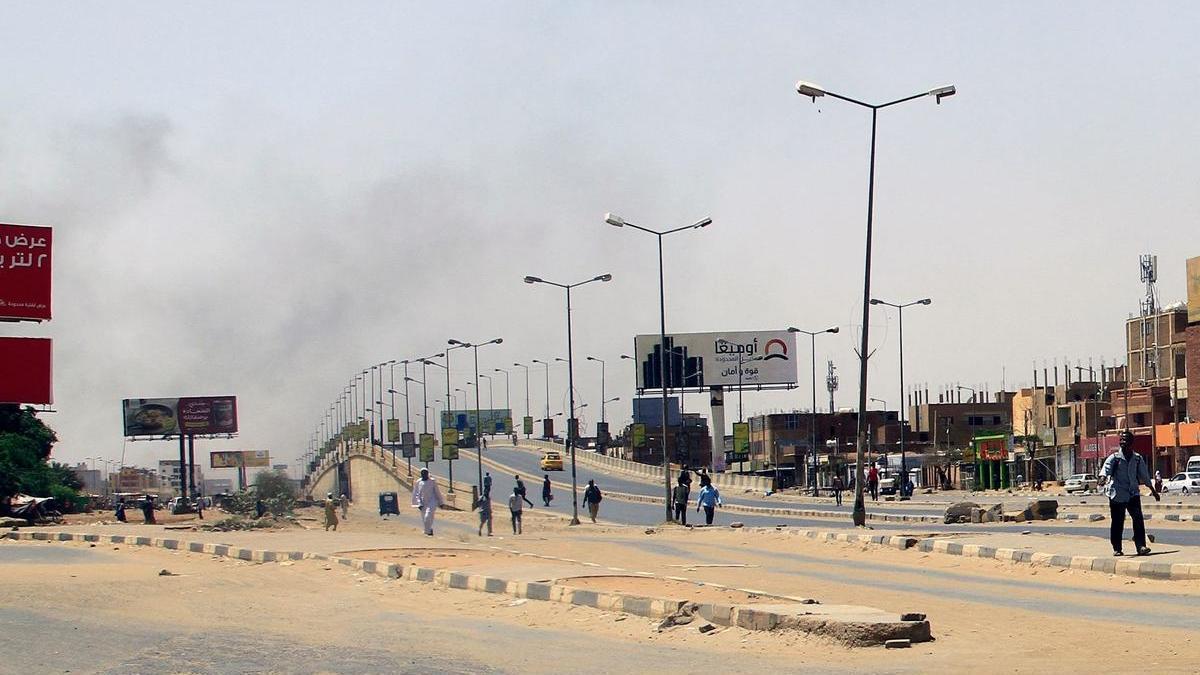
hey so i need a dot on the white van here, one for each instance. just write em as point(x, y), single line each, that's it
point(1193, 464)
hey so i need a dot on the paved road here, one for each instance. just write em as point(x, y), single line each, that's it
point(634, 513)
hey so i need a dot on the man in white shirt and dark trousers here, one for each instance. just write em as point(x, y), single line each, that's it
point(516, 503)
point(1123, 475)
point(427, 498)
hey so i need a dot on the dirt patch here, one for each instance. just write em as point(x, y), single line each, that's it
point(669, 588)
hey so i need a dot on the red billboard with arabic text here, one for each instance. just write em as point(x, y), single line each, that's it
point(26, 373)
point(25, 272)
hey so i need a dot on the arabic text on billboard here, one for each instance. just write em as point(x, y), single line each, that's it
point(175, 416)
point(232, 459)
point(25, 272)
point(746, 358)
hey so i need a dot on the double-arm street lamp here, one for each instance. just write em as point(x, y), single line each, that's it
point(507, 392)
point(572, 421)
point(903, 408)
point(617, 221)
point(478, 428)
point(812, 418)
point(812, 91)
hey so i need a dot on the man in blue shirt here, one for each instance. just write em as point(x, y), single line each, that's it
point(1123, 475)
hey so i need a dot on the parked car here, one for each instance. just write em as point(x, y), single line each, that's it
point(1184, 483)
point(1081, 482)
point(552, 460)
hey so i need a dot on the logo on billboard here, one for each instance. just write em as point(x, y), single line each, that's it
point(196, 415)
point(780, 349)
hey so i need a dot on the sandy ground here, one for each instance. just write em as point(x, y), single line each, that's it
point(987, 616)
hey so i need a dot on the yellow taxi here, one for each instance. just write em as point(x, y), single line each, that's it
point(552, 460)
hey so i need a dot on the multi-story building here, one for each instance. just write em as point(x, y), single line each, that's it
point(1051, 421)
point(779, 440)
point(136, 479)
point(168, 473)
point(217, 486)
point(92, 479)
point(1192, 336)
point(950, 426)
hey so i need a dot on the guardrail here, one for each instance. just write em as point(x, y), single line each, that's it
point(388, 462)
point(651, 472)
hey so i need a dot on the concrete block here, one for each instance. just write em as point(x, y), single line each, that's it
point(458, 580)
point(637, 605)
point(535, 590)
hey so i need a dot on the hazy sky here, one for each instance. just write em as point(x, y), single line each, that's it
point(263, 198)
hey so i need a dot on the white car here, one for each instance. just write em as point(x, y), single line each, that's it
point(1183, 483)
point(1081, 482)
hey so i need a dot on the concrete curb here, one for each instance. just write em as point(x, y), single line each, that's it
point(1128, 566)
point(742, 616)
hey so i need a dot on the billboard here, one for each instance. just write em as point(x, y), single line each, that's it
point(1193, 289)
point(25, 272)
point(450, 443)
point(490, 420)
point(426, 448)
point(638, 434)
point(233, 459)
point(26, 373)
point(408, 444)
point(528, 424)
point(176, 416)
point(393, 430)
point(741, 439)
point(712, 359)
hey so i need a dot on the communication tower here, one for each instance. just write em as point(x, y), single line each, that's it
point(831, 383)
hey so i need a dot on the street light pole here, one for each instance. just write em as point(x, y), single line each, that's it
point(507, 393)
point(544, 363)
point(527, 413)
point(617, 221)
point(478, 427)
point(572, 421)
point(603, 418)
point(812, 91)
point(812, 418)
point(903, 407)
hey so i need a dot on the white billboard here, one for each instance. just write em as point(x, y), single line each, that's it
point(711, 359)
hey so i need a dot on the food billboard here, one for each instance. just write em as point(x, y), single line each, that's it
point(25, 272)
point(729, 359)
point(197, 415)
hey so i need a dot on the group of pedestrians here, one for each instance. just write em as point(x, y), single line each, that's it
point(708, 499)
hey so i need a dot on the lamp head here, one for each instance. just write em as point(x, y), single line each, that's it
point(614, 220)
point(532, 280)
point(455, 342)
point(925, 301)
point(793, 329)
point(626, 356)
point(809, 89)
point(702, 223)
point(603, 277)
point(831, 329)
point(942, 92)
point(496, 341)
point(876, 301)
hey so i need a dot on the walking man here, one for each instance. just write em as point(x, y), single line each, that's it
point(515, 506)
point(873, 482)
point(487, 483)
point(1123, 473)
point(345, 505)
point(148, 510)
point(331, 519)
point(521, 491)
point(546, 494)
point(837, 490)
point(680, 496)
point(709, 500)
point(427, 498)
point(485, 513)
point(591, 499)
point(120, 511)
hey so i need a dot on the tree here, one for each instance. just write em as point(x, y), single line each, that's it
point(274, 484)
point(25, 445)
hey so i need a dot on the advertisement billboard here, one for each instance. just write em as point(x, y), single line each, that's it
point(196, 415)
point(741, 438)
point(26, 373)
point(490, 421)
point(638, 433)
point(450, 443)
point(426, 448)
point(25, 272)
point(711, 359)
point(232, 459)
point(548, 428)
point(408, 444)
point(393, 431)
point(527, 423)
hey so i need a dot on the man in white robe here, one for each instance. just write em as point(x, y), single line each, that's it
point(427, 498)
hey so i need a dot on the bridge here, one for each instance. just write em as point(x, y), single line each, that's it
point(361, 471)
